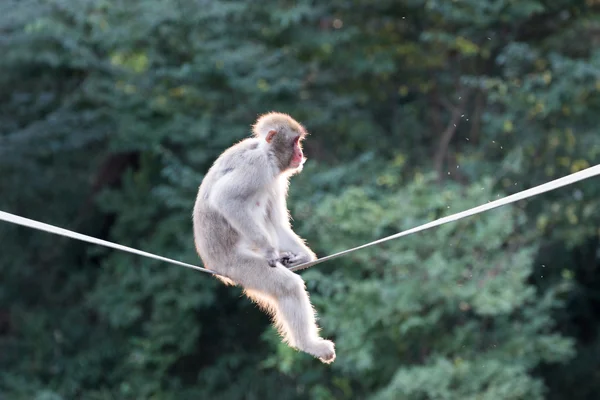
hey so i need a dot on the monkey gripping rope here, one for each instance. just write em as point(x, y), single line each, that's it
point(546, 187)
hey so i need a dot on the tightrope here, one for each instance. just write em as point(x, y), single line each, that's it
point(555, 184)
point(546, 187)
point(30, 223)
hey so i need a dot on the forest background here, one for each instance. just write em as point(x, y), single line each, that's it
point(112, 111)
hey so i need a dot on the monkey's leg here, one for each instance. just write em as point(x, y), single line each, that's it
point(269, 305)
point(295, 309)
point(283, 293)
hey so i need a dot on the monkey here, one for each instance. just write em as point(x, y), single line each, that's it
point(242, 229)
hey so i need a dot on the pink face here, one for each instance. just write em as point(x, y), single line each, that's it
point(297, 157)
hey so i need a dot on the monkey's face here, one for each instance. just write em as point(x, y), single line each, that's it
point(287, 147)
point(297, 158)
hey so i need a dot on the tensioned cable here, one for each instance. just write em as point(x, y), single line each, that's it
point(555, 184)
point(15, 219)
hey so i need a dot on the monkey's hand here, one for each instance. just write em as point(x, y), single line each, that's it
point(290, 259)
point(273, 257)
point(285, 258)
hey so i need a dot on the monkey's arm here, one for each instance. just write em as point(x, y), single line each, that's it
point(234, 202)
point(293, 250)
point(291, 245)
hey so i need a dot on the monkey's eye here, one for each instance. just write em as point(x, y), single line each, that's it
point(296, 140)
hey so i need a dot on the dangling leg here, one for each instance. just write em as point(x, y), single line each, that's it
point(295, 309)
point(269, 305)
point(282, 293)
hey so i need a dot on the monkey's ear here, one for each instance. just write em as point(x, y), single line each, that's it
point(270, 135)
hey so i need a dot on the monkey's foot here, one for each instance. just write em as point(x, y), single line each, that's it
point(324, 350)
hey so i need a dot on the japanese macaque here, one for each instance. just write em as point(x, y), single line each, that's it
point(242, 228)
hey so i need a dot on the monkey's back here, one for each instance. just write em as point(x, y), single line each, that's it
point(214, 237)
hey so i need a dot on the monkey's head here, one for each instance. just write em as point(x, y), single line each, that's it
point(283, 136)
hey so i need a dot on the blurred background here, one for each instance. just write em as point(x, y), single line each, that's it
point(112, 111)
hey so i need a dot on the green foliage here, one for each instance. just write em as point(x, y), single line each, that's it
point(441, 314)
point(114, 110)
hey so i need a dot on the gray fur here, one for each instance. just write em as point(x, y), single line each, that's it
point(242, 230)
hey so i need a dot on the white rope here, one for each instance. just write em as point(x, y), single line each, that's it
point(15, 219)
point(555, 184)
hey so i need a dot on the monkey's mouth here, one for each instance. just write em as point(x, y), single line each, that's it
point(297, 162)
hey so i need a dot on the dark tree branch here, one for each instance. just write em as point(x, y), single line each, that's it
point(446, 137)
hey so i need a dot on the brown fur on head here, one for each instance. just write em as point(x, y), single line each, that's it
point(278, 122)
point(284, 136)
